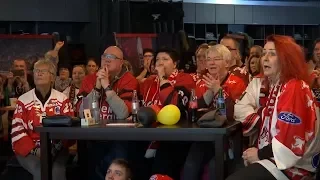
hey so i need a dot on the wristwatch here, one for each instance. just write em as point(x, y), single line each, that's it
point(108, 88)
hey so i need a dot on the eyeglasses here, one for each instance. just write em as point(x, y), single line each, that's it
point(109, 56)
point(42, 71)
point(148, 56)
point(231, 49)
point(214, 59)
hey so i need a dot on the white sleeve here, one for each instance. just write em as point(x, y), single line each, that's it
point(248, 106)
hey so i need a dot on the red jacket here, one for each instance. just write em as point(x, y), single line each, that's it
point(233, 87)
point(176, 92)
point(88, 83)
point(123, 86)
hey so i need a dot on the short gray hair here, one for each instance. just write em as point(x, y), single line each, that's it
point(47, 62)
point(223, 51)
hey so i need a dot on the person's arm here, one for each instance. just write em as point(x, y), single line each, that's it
point(22, 143)
point(121, 103)
point(142, 75)
point(246, 109)
point(53, 55)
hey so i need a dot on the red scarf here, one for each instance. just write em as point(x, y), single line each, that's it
point(264, 92)
point(152, 96)
point(268, 112)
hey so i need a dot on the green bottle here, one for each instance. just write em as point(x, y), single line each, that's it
point(221, 103)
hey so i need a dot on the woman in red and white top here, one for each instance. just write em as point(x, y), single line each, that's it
point(217, 77)
point(78, 74)
point(168, 87)
point(288, 142)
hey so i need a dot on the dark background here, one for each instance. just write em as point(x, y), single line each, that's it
point(88, 24)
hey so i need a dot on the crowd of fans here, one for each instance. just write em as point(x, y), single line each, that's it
point(271, 90)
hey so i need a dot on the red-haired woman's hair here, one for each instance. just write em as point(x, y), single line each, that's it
point(291, 58)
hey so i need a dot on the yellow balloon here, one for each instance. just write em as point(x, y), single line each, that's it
point(169, 115)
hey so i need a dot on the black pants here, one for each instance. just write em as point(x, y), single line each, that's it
point(199, 155)
point(170, 158)
point(254, 171)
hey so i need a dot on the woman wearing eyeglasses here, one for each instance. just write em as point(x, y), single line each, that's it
point(148, 60)
point(217, 78)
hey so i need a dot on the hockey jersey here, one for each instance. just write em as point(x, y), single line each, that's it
point(241, 72)
point(290, 123)
point(232, 88)
point(176, 92)
point(28, 115)
point(248, 109)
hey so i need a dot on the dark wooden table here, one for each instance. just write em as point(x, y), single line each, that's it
point(183, 131)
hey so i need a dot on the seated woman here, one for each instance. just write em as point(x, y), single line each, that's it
point(78, 74)
point(146, 71)
point(168, 87)
point(201, 62)
point(287, 143)
point(254, 66)
point(92, 66)
point(30, 110)
point(63, 80)
point(217, 77)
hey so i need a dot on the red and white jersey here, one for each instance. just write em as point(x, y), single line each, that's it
point(233, 87)
point(241, 72)
point(28, 115)
point(290, 123)
point(196, 77)
point(248, 108)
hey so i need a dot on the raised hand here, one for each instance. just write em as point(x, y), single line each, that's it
point(58, 45)
point(212, 82)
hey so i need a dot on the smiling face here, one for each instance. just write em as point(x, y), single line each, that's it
point(92, 67)
point(215, 63)
point(270, 61)
point(78, 73)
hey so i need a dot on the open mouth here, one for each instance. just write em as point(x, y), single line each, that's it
point(266, 67)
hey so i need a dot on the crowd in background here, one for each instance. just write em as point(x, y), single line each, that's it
point(271, 90)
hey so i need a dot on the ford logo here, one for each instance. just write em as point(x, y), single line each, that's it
point(289, 118)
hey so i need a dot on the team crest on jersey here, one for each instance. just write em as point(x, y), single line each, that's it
point(289, 117)
point(315, 160)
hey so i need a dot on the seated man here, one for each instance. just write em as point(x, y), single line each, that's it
point(113, 87)
point(31, 108)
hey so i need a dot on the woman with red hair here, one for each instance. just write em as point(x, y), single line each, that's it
point(288, 145)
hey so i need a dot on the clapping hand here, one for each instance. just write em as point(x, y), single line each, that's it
point(212, 82)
